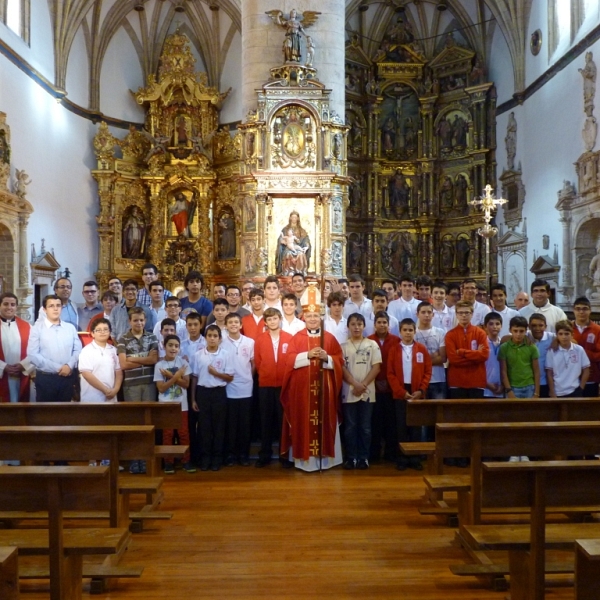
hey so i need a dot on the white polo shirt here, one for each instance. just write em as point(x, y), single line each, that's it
point(220, 360)
point(369, 329)
point(443, 319)
point(338, 330)
point(241, 352)
point(294, 327)
point(404, 309)
point(566, 365)
point(102, 363)
point(479, 312)
point(364, 308)
point(507, 314)
point(433, 339)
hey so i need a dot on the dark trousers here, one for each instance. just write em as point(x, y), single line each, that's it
point(357, 429)
point(591, 390)
point(212, 416)
point(51, 387)
point(405, 433)
point(383, 427)
point(544, 391)
point(457, 393)
point(239, 412)
point(271, 415)
point(194, 429)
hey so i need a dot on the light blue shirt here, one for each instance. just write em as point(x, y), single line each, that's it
point(51, 345)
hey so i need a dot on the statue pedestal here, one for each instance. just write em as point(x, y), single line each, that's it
point(292, 74)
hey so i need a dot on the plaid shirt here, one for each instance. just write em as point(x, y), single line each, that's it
point(143, 296)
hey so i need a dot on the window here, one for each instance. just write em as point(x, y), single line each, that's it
point(15, 15)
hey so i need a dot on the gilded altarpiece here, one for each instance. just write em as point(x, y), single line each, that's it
point(159, 197)
point(293, 184)
point(421, 146)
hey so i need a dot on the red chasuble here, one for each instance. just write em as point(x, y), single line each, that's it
point(300, 396)
point(23, 327)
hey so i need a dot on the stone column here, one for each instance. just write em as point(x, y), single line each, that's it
point(262, 42)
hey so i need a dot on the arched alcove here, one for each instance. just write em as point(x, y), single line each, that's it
point(7, 259)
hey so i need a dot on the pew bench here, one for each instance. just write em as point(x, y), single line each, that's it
point(587, 569)
point(52, 489)
point(536, 485)
point(9, 573)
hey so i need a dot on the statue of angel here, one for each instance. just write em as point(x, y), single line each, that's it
point(21, 183)
point(294, 26)
point(159, 145)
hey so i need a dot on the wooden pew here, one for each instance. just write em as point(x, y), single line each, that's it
point(115, 442)
point(163, 415)
point(536, 484)
point(53, 489)
point(475, 440)
point(9, 573)
point(587, 569)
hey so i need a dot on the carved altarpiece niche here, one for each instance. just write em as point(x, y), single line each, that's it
point(160, 200)
point(421, 146)
point(512, 254)
point(293, 184)
point(14, 218)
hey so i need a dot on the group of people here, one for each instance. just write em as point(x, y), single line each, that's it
point(261, 362)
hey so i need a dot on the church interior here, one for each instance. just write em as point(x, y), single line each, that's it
point(205, 134)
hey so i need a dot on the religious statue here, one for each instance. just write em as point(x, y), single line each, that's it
point(21, 183)
point(444, 132)
point(337, 214)
point(250, 213)
point(293, 248)
point(159, 146)
point(447, 255)
point(460, 191)
point(355, 249)
point(337, 145)
point(226, 236)
point(511, 141)
point(182, 213)
point(310, 51)
point(134, 234)
point(446, 193)
point(459, 132)
point(595, 271)
point(589, 83)
point(181, 131)
point(463, 250)
point(388, 135)
point(399, 194)
point(294, 27)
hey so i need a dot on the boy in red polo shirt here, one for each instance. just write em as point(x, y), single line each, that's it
point(270, 350)
point(409, 372)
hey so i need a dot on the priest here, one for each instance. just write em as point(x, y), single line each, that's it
point(14, 365)
point(310, 434)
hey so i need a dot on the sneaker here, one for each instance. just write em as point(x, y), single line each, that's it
point(514, 459)
point(350, 464)
point(121, 468)
point(362, 464)
point(169, 468)
point(188, 467)
point(524, 458)
point(134, 467)
point(92, 463)
point(105, 463)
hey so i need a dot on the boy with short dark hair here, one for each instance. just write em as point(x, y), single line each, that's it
point(173, 311)
point(362, 363)
point(498, 296)
point(586, 333)
point(519, 364)
point(254, 324)
point(219, 312)
point(290, 323)
point(195, 301)
point(543, 340)
point(172, 378)
point(335, 322)
point(568, 367)
point(409, 373)
point(167, 327)
point(493, 325)
point(380, 303)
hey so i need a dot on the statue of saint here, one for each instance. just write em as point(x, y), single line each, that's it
point(589, 83)
point(446, 193)
point(399, 192)
point(511, 141)
point(182, 213)
point(293, 248)
point(134, 233)
point(460, 191)
point(294, 27)
point(226, 236)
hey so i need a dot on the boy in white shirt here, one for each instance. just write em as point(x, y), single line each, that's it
point(239, 393)
point(290, 323)
point(173, 309)
point(406, 306)
point(443, 315)
point(357, 302)
point(362, 362)
point(498, 293)
point(99, 367)
point(380, 303)
point(493, 323)
point(172, 378)
point(167, 327)
point(335, 322)
point(272, 294)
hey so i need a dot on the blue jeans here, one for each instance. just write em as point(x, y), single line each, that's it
point(357, 429)
point(524, 392)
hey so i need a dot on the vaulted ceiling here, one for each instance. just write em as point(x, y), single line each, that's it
point(212, 25)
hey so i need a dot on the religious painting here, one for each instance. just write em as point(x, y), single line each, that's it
point(452, 130)
point(226, 234)
point(399, 122)
point(182, 210)
point(133, 242)
point(398, 253)
point(293, 237)
point(293, 138)
point(398, 197)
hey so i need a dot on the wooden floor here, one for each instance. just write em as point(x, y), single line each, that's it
point(271, 533)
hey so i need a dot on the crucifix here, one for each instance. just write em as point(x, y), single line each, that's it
point(488, 205)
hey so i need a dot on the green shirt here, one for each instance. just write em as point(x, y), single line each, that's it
point(519, 362)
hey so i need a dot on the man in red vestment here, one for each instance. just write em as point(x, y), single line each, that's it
point(310, 430)
point(14, 366)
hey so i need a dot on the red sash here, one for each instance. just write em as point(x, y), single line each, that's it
point(24, 329)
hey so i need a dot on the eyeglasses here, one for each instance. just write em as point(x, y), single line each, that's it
point(90, 291)
point(232, 295)
point(103, 330)
point(115, 284)
point(64, 287)
point(463, 313)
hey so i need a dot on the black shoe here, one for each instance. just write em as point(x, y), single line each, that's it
point(362, 464)
point(230, 461)
point(204, 466)
point(285, 463)
point(350, 464)
point(463, 463)
point(261, 462)
point(450, 462)
point(401, 465)
point(215, 467)
point(416, 465)
point(244, 461)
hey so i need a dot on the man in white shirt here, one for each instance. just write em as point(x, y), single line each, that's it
point(540, 294)
point(498, 293)
point(469, 291)
point(406, 306)
point(357, 302)
point(335, 322)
